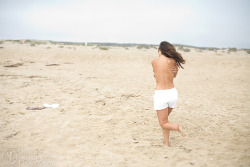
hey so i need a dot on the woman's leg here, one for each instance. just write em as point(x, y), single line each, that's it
point(166, 132)
point(166, 126)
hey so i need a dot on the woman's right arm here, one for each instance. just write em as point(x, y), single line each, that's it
point(175, 70)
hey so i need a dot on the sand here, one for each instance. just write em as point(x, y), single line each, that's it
point(106, 115)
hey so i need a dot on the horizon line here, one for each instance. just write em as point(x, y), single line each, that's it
point(121, 43)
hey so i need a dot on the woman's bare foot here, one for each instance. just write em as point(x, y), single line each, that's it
point(167, 144)
point(180, 130)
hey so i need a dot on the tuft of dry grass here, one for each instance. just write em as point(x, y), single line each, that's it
point(103, 48)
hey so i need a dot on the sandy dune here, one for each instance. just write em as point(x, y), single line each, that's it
point(106, 115)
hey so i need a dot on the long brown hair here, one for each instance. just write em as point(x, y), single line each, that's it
point(169, 50)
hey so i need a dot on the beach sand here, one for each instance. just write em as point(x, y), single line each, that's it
point(106, 115)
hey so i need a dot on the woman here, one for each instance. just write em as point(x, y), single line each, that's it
point(165, 69)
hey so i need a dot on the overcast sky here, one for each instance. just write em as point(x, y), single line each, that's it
point(209, 23)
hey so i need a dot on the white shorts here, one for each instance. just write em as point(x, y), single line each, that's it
point(165, 98)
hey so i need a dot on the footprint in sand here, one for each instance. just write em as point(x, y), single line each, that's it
point(102, 102)
point(22, 113)
point(129, 95)
point(34, 133)
point(11, 135)
point(53, 65)
point(14, 65)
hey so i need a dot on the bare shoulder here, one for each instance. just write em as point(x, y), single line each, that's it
point(154, 61)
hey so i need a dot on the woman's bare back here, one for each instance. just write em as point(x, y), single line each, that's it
point(162, 68)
